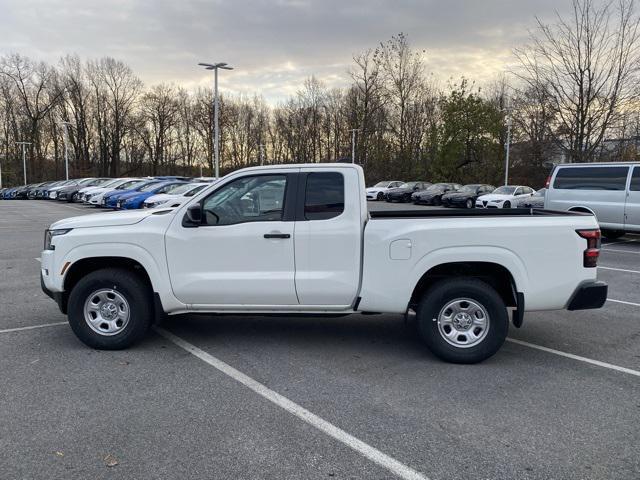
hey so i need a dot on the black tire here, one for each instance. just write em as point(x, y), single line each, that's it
point(437, 201)
point(126, 283)
point(380, 196)
point(469, 203)
point(506, 204)
point(406, 198)
point(438, 296)
point(612, 234)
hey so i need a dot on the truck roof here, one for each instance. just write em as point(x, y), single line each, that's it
point(302, 165)
point(590, 164)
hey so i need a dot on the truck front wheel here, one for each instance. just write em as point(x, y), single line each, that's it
point(110, 309)
point(462, 320)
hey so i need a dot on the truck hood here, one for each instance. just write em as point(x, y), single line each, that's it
point(107, 219)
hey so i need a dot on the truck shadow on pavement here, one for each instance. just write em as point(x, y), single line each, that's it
point(384, 334)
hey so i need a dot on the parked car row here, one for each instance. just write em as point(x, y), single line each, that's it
point(115, 193)
point(456, 195)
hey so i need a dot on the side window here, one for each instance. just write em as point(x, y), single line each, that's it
point(258, 198)
point(518, 191)
point(591, 178)
point(324, 195)
point(635, 180)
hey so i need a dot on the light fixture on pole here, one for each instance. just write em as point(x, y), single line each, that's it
point(65, 138)
point(24, 158)
point(353, 144)
point(216, 134)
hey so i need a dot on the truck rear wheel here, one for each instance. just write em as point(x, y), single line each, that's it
point(462, 320)
point(110, 309)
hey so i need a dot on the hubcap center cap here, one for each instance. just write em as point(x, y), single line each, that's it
point(462, 321)
point(109, 311)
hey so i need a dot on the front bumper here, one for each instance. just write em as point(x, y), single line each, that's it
point(48, 281)
point(58, 297)
point(589, 295)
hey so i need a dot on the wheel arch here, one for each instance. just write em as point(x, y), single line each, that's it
point(494, 274)
point(583, 209)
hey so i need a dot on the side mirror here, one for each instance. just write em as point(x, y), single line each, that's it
point(193, 217)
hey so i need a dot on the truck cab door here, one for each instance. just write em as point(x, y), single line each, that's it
point(242, 254)
point(632, 204)
point(328, 236)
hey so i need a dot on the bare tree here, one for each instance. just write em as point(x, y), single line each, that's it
point(35, 87)
point(159, 114)
point(587, 66)
point(116, 90)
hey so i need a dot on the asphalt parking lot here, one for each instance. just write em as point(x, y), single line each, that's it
point(355, 397)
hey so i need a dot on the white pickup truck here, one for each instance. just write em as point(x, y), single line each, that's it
point(298, 239)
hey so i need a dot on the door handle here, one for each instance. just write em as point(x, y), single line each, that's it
point(277, 235)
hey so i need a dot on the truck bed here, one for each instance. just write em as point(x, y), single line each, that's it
point(474, 212)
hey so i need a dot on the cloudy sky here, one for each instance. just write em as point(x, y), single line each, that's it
point(274, 44)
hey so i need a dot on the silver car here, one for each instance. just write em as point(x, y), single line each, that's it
point(610, 191)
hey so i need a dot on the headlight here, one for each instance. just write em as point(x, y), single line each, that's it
point(49, 234)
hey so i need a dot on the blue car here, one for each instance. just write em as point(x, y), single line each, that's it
point(10, 193)
point(136, 199)
point(110, 200)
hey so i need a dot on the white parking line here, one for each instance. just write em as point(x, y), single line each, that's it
point(38, 259)
point(618, 251)
point(619, 241)
point(623, 301)
point(576, 357)
point(618, 269)
point(376, 456)
point(32, 327)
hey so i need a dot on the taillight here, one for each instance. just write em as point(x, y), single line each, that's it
point(591, 254)
point(548, 182)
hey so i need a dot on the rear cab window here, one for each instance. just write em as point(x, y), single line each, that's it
point(324, 195)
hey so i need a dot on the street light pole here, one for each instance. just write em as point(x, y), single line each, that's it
point(1, 172)
point(66, 147)
point(24, 159)
point(353, 144)
point(216, 128)
point(507, 146)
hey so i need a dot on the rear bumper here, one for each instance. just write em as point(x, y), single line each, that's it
point(589, 295)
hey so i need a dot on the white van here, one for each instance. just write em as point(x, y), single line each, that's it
point(610, 191)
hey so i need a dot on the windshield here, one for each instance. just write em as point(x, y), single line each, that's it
point(111, 183)
point(408, 185)
point(195, 190)
point(184, 188)
point(179, 189)
point(437, 186)
point(506, 190)
point(100, 181)
point(131, 184)
point(151, 186)
point(382, 184)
